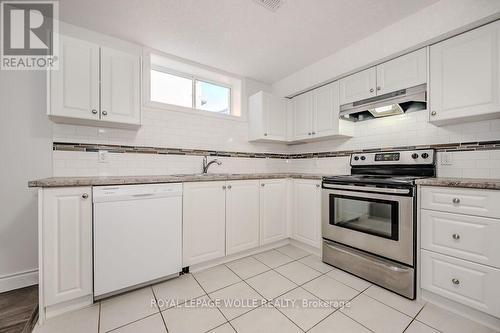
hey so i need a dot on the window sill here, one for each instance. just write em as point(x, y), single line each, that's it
point(192, 111)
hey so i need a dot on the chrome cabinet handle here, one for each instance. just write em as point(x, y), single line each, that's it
point(104, 113)
point(309, 133)
point(317, 185)
point(379, 88)
point(455, 236)
point(313, 133)
point(455, 281)
point(85, 195)
point(223, 187)
point(229, 187)
point(94, 111)
point(265, 134)
point(262, 184)
point(433, 113)
point(456, 200)
point(371, 90)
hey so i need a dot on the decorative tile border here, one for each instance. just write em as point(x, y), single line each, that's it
point(85, 147)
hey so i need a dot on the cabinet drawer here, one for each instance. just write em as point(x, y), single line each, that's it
point(462, 281)
point(467, 237)
point(461, 201)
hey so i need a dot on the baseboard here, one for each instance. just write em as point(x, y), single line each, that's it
point(18, 280)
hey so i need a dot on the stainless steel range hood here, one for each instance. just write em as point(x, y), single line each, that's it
point(397, 102)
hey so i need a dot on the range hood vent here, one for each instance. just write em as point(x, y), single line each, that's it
point(397, 102)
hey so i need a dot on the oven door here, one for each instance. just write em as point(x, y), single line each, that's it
point(364, 218)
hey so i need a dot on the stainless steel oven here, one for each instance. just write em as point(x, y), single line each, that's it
point(376, 220)
point(368, 218)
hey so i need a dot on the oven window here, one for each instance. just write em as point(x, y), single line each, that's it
point(371, 216)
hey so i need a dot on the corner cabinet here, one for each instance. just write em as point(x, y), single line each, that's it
point(95, 85)
point(316, 115)
point(65, 249)
point(307, 211)
point(465, 76)
point(267, 117)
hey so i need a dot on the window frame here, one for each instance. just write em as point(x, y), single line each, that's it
point(149, 103)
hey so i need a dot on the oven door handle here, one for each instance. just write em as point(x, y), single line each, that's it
point(367, 189)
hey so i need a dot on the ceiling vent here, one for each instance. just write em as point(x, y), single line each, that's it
point(272, 5)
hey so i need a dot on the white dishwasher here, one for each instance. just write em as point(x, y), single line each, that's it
point(137, 235)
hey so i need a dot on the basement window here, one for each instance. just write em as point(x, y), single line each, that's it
point(183, 87)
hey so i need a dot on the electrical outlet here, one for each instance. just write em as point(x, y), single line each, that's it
point(446, 158)
point(102, 156)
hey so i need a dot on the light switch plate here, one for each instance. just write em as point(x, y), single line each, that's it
point(102, 156)
point(446, 158)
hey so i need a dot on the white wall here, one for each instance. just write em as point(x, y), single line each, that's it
point(26, 146)
point(435, 21)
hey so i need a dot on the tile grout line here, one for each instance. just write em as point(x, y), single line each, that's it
point(345, 314)
point(412, 317)
point(161, 315)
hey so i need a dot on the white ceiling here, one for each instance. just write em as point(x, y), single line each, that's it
point(240, 36)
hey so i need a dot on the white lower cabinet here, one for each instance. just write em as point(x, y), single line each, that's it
point(273, 210)
point(242, 215)
point(65, 223)
point(462, 281)
point(307, 211)
point(204, 222)
point(460, 256)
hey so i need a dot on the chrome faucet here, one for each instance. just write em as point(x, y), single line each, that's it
point(207, 164)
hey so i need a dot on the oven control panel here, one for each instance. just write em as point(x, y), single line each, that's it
point(406, 157)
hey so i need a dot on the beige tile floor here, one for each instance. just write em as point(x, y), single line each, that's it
point(274, 285)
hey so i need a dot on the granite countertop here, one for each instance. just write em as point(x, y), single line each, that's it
point(182, 178)
point(479, 183)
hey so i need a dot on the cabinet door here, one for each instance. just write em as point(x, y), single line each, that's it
point(74, 87)
point(204, 226)
point(273, 210)
point(67, 244)
point(403, 72)
point(326, 110)
point(464, 76)
point(120, 87)
point(242, 215)
point(275, 118)
point(358, 86)
point(302, 116)
point(307, 208)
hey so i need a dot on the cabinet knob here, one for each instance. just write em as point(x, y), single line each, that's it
point(85, 195)
point(262, 184)
point(456, 200)
point(223, 187)
point(433, 113)
point(104, 113)
point(94, 111)
point(229, 187)
point(371, 90)
point(313, 133)
point(379, 88)
point(455, 236)
point(265, 134)
point(309, 133)
point(317, 185)
point(455, 281)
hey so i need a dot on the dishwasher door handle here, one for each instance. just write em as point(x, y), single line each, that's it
point(143, 195)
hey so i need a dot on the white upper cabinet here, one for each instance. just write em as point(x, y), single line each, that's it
point(358, 86)
point(75, 85)
point(307, 210)
point(120, 87)
point(267, 117)
point(302, 116)
point(464, 76)
point(204, 222)
point(66, 232)
point(273, 210)
point(95, 86)
point(403, 72)
point(242, 215)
